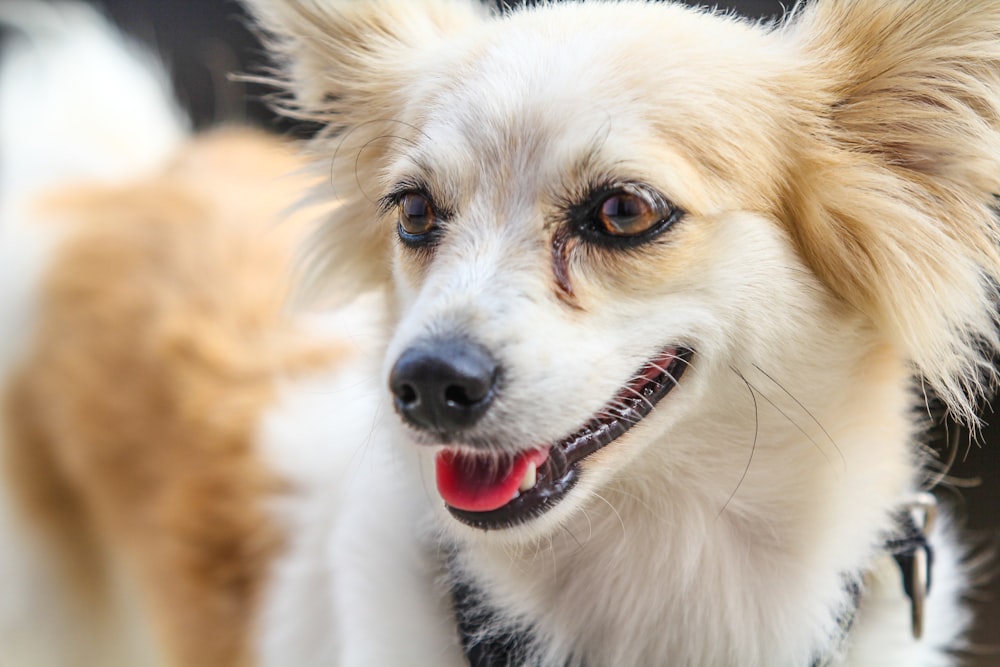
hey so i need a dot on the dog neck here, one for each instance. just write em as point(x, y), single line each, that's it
point(488, 640)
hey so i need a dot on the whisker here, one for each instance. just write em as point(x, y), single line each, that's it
point(664, 371)
point(808, 412)
point(641, 397)
point(579, 544)
point(638, 499)
point(361, 150)
point(605, 413)
point(362, 451)
point(351, 131)
point(753, 447)
point(621, 521)
point(538, 551)
point(794, 423)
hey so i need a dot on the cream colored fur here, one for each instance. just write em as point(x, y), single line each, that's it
point(837, 172)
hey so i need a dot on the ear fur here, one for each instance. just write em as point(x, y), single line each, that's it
point(353, 66)
point(893, 207)
point(896, 162)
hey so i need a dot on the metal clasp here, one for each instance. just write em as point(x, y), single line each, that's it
point(923, 510)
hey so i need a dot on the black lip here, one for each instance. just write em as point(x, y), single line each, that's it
point(561, 470)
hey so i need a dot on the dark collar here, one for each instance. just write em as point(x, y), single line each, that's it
point(488, 640)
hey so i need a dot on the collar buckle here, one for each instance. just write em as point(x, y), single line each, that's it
point(914, 555)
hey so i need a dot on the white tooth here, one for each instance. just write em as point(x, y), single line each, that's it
point(530, 477)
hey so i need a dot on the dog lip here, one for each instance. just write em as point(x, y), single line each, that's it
point(561, 470)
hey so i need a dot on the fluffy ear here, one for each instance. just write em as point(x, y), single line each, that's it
point(893, 203)
point(348, 60)
point(352, 66)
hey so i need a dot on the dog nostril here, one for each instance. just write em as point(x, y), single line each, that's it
point(407, 395)
point(458, 395)
point(443, 385)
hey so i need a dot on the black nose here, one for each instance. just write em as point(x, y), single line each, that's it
point(443, 385)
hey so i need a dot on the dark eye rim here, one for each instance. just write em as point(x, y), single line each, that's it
point(391, 203)
point(585, 221)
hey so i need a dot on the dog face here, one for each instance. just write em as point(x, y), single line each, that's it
point(564, 258)
point(604, 218)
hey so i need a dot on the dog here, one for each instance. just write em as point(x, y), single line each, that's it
point(657, 293)
point(146, 353)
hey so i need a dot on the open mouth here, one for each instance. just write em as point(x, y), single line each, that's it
point(490, 490)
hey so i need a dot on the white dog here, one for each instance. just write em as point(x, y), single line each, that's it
point(662, 284)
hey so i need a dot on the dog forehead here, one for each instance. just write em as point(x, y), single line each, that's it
point(520, 99)
point(544, 89)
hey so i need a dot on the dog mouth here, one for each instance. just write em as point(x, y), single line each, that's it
point(499, 490)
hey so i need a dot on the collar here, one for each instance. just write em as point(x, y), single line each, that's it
point(911, 550)
point(913, 554)
point(488, 640)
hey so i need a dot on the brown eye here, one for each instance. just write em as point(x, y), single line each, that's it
point(626, 214)
point(416, 215)
point(622, 215)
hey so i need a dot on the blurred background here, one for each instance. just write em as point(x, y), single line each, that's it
point(204, 41)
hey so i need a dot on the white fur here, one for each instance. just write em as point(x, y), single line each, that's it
point(42, 626)
point(694, 544)
point(327, 436)
point(718, 531)
point(317, 449)
point(80, 102)
point(714, 533)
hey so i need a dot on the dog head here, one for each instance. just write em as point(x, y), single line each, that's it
point(599, 219)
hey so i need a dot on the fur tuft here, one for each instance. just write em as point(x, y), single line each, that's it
point(894, 207)
point(379, 50)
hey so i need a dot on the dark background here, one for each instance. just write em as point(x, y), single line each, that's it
point(203, 41)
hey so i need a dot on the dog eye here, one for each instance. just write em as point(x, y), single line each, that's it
point(416, 216)
point(626, 214)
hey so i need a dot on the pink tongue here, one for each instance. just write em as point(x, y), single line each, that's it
point(477, 483)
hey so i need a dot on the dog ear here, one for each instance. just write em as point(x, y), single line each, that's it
point(347, 61)
point(352, 67)
point(893, 202)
